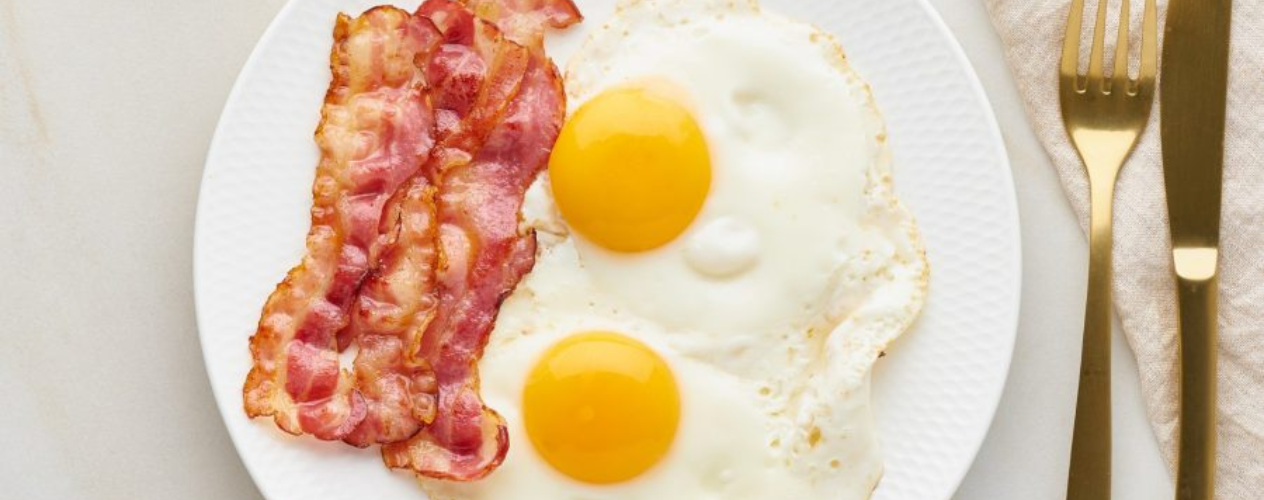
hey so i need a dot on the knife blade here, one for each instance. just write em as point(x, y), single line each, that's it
point(1193, 94)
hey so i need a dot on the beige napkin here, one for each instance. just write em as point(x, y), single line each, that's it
point(1144, 294)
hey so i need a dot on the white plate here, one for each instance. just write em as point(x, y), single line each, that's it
point(937, 391)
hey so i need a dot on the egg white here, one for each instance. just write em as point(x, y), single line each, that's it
point(720, 416)
point(773, 305)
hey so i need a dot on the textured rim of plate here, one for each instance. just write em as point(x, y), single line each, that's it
point(993, 128)
point(234, 96)
point(1011, 199)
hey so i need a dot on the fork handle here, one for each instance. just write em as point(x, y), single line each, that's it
point(1089, 477)
point(1196, 467)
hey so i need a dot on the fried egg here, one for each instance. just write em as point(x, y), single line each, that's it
point(722, 259)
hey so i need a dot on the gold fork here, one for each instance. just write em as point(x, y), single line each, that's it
point(1104, 118)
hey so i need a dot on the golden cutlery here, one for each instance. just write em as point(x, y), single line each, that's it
point(1104, 116)
point(1192, 121)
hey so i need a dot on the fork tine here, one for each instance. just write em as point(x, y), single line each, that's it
point(1119, 79)
point(1096, 75)
point(1071, 42)
point(1149, 48)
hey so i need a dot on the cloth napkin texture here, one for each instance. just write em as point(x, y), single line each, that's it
point(1144, 289)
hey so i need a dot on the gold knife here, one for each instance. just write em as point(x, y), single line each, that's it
point(1193, 87)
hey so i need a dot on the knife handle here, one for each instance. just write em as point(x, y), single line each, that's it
point(1196, 288)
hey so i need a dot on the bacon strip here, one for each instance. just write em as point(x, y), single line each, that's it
point(472, 78)
point(475, 75)
point(524, 21)
point(395, 303)
point(484, 255)
point(376, 129)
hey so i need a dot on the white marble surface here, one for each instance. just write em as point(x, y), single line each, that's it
point(106, 111)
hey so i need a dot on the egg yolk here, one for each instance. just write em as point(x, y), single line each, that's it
point(630, 170)
point(601, 407)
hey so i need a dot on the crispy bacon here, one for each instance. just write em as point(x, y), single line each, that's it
point(524, 21)
point(472, 78)
point(376, 129)
point(454, 111)
point(395, 304)
point(484, 255)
